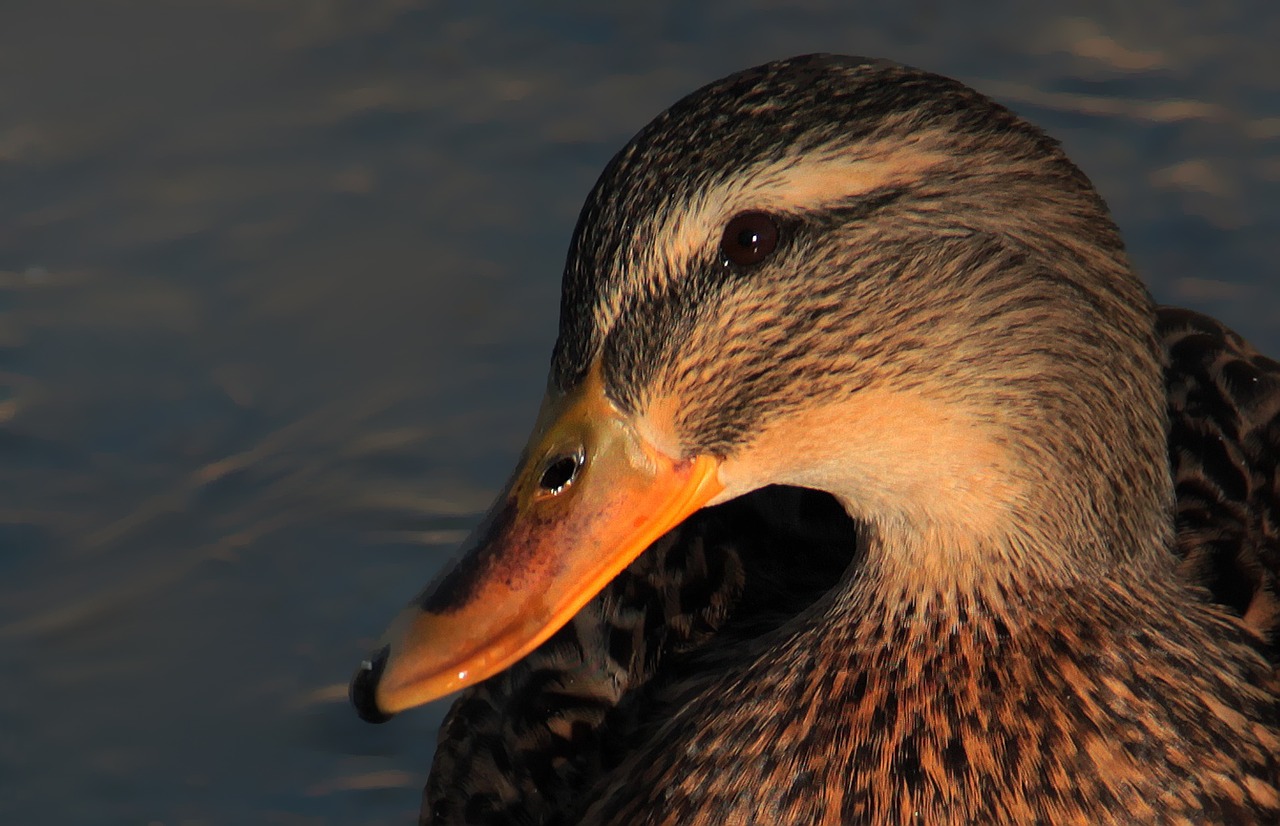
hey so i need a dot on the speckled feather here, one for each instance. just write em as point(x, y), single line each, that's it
point(1224, 447)
point(525, 747)
point(766, 662)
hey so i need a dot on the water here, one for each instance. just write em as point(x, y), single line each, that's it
point(278, 282)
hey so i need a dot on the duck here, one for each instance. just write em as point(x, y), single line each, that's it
point(870, 486)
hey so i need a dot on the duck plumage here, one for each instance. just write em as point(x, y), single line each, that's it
point(989, 537)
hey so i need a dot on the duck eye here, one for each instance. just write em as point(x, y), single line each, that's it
point(748, 238)
point(559, 474)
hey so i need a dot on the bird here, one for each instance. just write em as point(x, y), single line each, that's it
point(870, 486)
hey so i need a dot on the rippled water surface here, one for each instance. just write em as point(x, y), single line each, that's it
point(278, 281)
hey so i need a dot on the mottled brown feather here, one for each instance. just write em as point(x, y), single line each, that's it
point(498, 759)
point(765, 662)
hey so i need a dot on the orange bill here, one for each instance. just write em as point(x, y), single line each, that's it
point(589, 497)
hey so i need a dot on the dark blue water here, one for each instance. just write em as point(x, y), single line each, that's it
point(278, 281)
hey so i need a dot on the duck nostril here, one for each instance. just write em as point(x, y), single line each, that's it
point(560, 473)
point(364, 687)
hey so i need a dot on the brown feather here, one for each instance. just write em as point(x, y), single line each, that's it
point(1066, 658)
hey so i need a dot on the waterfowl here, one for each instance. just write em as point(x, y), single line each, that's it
point(870, 487)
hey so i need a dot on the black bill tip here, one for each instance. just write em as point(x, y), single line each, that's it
point(364, 688)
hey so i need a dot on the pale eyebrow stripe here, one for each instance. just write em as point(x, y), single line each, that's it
point(793, 184)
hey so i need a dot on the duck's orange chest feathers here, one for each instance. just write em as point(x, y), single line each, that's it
point(1088, 711)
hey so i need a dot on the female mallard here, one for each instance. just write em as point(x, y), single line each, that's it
point(871, 282)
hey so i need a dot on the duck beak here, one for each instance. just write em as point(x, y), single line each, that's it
point(589, 497)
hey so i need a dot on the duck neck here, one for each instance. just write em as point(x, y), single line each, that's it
point(1021, 556)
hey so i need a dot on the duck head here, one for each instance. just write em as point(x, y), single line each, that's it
point(834, 273)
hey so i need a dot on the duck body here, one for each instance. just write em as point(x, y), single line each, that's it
point(1021, 566)
point(976, 723)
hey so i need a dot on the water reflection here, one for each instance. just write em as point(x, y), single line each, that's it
point(277, 286)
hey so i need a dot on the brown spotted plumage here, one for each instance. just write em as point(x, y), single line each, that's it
point(992, 539)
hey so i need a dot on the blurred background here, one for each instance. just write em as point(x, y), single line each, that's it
point(278, 283)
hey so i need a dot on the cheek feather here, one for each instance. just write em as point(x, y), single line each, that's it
point(889, 454)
